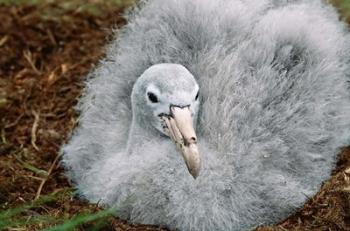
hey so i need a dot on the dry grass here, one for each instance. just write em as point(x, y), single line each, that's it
point(45, 51)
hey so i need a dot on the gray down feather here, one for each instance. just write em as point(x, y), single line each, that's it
point(274, 112)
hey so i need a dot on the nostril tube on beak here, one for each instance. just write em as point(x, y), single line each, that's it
point(192, 140)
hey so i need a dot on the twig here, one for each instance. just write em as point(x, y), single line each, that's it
point(282, 228)
point(28, 56)
point(3, 40)
point(15, 122)
point(3, 136)
point(34, 177)
point(43, 181)
point(51, 37)
point(34, 129)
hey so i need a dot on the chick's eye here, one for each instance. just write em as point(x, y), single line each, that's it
point(197, 96)
point(152, 97)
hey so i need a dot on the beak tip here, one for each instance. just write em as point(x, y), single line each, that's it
point(194, 173)
point(194, 176)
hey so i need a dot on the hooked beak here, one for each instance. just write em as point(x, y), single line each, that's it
point(179, 126)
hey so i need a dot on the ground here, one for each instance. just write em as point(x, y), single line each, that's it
point(46, 49)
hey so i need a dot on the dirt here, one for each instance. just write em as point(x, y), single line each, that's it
point(45, 52)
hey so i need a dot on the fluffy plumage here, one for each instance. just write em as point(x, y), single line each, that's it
point(275, 109)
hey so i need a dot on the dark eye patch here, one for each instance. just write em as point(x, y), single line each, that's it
point(152, 97)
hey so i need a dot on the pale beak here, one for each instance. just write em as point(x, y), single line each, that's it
point(179, 126)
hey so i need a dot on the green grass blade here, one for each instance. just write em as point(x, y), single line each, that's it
point(81, 219)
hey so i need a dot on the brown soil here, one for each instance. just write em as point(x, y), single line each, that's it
point(45, 52)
